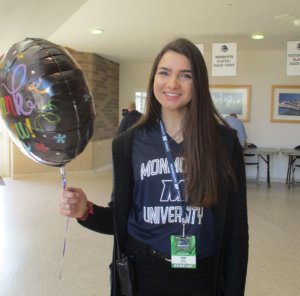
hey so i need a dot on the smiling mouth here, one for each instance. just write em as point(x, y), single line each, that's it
point(170, 94)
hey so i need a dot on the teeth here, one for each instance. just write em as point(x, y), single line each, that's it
point(171, 94)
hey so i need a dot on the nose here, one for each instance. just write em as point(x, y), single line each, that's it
point(173, 82)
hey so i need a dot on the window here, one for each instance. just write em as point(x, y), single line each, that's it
point(140, 99)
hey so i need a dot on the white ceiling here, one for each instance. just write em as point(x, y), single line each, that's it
point(134, 30)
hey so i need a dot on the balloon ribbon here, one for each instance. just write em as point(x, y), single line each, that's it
point(64, 184)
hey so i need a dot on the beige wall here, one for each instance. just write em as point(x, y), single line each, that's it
point(133, 77)
point(261, 70)
point(101, 153)
point(95, 155)
point(4, 154)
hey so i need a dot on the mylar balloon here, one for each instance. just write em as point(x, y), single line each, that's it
point(45, 102)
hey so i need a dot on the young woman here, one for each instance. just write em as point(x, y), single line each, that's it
point(178, 206)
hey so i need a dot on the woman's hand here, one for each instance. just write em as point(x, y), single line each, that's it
point(73, 202)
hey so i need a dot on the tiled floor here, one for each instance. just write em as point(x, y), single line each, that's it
point(32, 234)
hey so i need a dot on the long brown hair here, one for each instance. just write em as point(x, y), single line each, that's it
point(204, 160)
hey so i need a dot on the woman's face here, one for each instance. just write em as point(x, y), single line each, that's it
point(173, 82)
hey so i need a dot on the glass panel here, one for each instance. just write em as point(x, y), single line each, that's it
point(140, 99)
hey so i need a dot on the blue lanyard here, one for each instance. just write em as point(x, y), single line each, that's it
point(170, 159)
point(171, 165)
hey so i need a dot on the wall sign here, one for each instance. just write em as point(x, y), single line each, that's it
point(224, 57)
point(293, 58)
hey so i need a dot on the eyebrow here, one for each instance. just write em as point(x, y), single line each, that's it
point(181, 71)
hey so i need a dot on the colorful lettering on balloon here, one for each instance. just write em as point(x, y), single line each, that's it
point(7, 106)
point(19, 72)
point(29, 127)
point(2, 107)
point(47, 115)
point(22, 131)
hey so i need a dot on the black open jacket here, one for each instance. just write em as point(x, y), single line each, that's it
point(230, 216)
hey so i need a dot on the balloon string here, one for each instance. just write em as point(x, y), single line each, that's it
point(64, 184)
point(63, 177)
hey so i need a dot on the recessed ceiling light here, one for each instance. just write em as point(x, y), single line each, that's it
point(96, 31)
point(257, 36)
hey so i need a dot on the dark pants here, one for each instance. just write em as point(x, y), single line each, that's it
point(155, 276)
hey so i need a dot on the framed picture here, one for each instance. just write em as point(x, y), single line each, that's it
point(232, 99)
point(285, 103)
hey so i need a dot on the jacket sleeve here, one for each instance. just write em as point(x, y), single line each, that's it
point(238, 238)
point(101, 221)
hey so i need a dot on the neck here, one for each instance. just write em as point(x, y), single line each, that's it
point(173, 124)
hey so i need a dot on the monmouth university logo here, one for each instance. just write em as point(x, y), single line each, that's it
point(168, 193)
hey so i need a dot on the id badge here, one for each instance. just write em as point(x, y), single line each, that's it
point(183, 251)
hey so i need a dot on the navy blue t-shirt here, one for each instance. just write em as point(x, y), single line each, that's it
point(157, 212)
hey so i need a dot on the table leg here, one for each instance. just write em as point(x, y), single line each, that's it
point(287, 172)
point(288, 175)
point(267, 161)
point(291, 161)
point(268, 170)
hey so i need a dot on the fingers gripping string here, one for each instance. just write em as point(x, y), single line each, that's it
point(64, 185)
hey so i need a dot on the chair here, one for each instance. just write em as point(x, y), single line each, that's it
point(252, 160)
point(295, 164)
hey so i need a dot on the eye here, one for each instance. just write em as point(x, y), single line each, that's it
point(185, 76)
point(162, 73)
